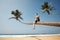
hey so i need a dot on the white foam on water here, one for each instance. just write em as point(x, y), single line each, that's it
point(28, 35)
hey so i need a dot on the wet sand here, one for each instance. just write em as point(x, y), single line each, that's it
point(57, 37)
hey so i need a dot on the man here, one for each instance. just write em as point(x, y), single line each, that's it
point(37, 19)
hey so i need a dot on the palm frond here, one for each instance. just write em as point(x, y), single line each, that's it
point(12, 12)
point(21, 18)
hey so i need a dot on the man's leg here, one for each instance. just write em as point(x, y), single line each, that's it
point(33, 25)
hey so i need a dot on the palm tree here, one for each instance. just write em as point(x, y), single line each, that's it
point(17, 15)
point(47, 7)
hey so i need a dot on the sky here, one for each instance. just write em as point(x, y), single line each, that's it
point(28, 9)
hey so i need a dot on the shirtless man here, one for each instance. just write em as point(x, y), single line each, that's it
point(37, 19)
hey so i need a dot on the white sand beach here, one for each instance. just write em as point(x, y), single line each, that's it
point(54, 37)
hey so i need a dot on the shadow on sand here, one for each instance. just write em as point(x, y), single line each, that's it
point(35, 37)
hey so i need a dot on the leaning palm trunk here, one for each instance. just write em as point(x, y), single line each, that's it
point(44, 23)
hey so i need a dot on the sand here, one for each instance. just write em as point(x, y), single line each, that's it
point(57, 37)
